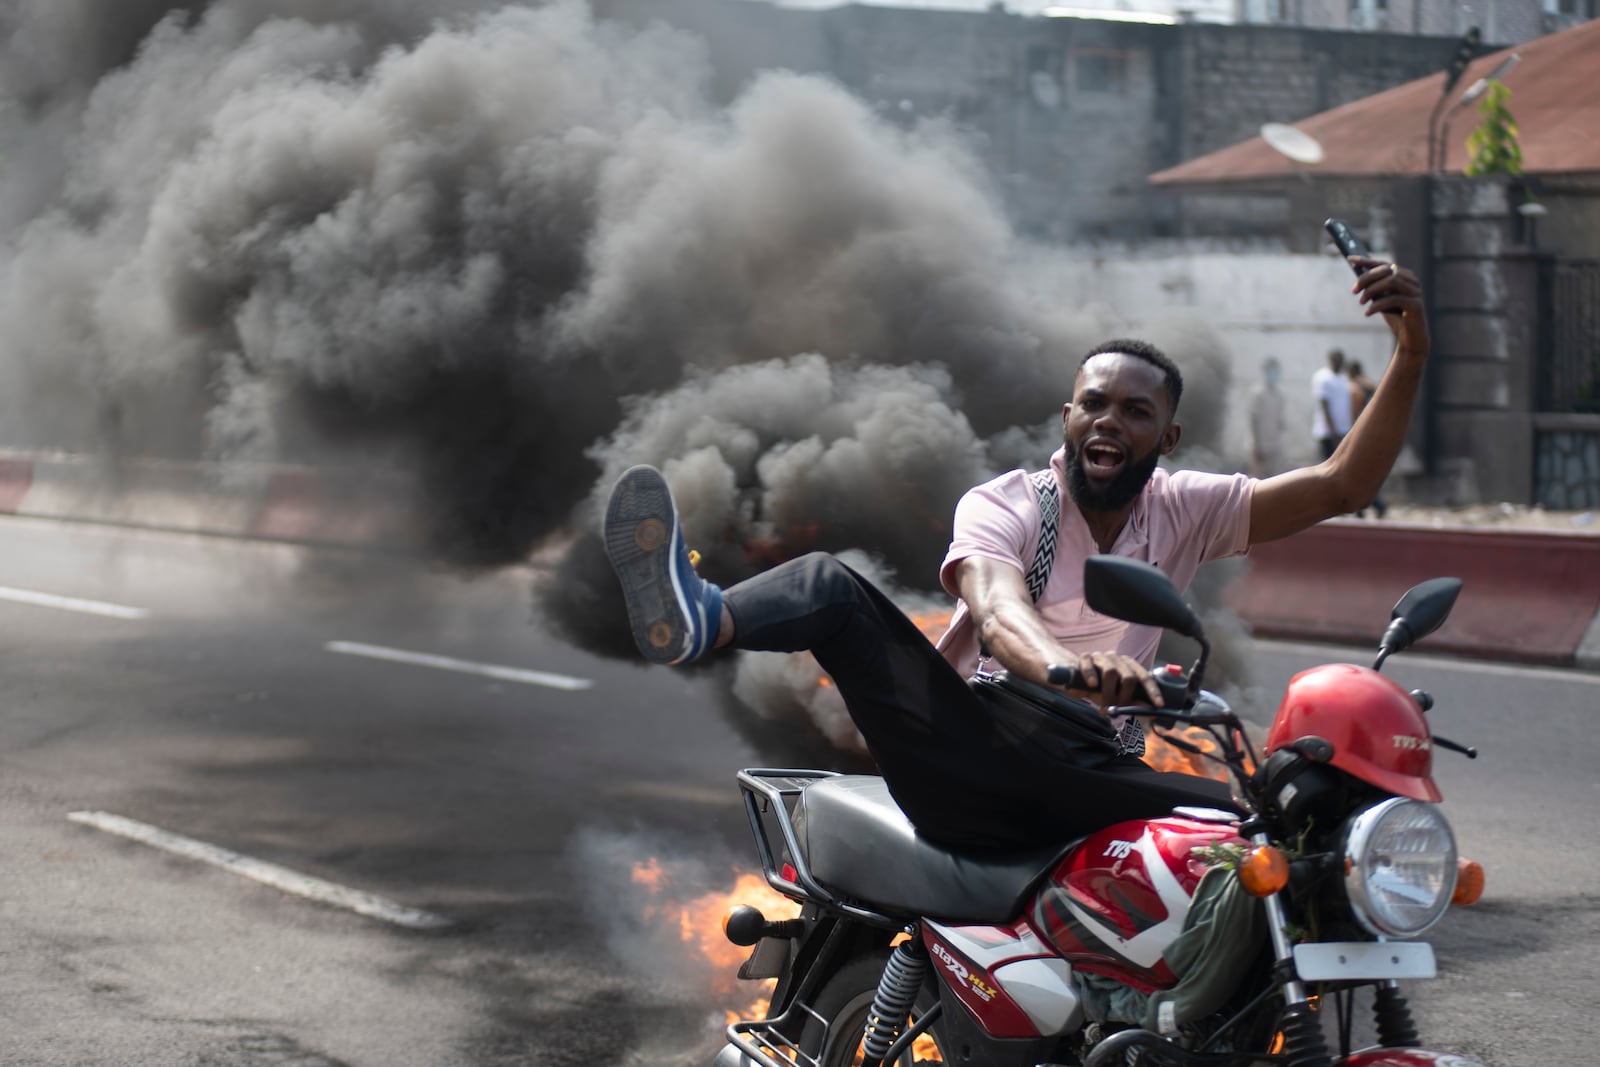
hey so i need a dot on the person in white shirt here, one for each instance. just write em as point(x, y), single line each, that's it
point(1330, 399)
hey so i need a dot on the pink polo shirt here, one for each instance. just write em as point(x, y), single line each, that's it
point(1181, 520)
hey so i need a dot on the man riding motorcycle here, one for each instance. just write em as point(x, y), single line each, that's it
point(962, 777)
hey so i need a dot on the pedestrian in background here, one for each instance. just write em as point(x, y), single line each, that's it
point(1330, 401)
point(1266, 422)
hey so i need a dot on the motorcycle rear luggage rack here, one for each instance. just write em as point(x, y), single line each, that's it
point(775, 792)
point(762, 1040)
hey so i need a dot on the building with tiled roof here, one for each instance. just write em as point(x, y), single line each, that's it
point(1555, 97)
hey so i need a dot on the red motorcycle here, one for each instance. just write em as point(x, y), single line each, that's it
point(1194, 940)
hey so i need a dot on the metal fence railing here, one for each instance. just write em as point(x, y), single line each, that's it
point(1569, 364)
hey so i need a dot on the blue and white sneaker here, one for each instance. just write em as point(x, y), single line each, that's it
point(674, 612)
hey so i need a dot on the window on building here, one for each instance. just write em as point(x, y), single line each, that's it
point(1044, 76)
point(1100, 71)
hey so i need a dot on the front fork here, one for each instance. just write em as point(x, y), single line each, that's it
point(1303, 1042)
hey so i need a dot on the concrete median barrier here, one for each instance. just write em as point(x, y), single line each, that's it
point(282, 503)
point(341, 509)
point(16, 477)
point(1530, 596)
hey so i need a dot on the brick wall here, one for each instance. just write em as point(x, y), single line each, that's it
point(1239, 77)
point(1501, 22)
point(1069, 115)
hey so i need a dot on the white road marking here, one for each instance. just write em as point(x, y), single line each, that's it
point(1363, 657)
point(445, 663)
point(271, 874)
point(69, 603)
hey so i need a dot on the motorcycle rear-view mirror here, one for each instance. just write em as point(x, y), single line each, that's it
point(1417, 614)
point(1139, 593)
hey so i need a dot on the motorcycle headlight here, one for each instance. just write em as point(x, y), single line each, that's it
point(1400, 863)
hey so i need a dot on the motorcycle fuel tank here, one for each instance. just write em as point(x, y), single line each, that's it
point(1115, 902)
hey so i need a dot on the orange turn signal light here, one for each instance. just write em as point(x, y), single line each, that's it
point(1263, 871)
point(1469, 883)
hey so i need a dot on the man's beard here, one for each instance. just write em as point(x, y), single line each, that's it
point(1120, 493)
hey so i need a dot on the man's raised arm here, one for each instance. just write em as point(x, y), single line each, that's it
point(1349, 479)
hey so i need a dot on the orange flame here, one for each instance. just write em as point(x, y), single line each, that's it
point(796, 540)
point(649, 874)
point(698, 920)
point(698, 923)
point(932, 623)
point(1165, 757)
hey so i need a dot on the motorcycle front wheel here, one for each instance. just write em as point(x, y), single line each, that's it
point(843, 1004)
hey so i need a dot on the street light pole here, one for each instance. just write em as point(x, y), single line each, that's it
point(1466, 51)
point(1475, 90)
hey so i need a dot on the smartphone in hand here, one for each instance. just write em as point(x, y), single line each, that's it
point(1349, 245)
point(1345, 238)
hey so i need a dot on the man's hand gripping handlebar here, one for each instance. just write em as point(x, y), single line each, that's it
point(1118, 680)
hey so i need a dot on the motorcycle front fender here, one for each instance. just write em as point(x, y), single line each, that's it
point(1407, 1057)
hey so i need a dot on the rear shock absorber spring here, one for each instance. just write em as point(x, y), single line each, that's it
point(896, 996)
point(1393, 1015)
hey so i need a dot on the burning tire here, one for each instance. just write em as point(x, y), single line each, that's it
point(844, 1002)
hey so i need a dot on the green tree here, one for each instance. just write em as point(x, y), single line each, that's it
point(1493, 147)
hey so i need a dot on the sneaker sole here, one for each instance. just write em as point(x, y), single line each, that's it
point(640, 538)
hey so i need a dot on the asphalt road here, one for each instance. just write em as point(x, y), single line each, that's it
point(228, 705)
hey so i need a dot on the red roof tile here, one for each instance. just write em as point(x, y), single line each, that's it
point(1555, 98)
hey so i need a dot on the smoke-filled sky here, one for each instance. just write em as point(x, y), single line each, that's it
point(510, 250)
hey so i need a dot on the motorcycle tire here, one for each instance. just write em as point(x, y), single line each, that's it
point(844, 1001)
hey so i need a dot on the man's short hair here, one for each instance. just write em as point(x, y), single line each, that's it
point(1150, 354)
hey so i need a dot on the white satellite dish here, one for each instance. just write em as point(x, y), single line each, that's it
point(1296, 144)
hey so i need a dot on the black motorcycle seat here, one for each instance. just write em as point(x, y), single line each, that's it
point(861, 847)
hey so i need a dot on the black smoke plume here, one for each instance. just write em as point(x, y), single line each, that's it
point(498, 253)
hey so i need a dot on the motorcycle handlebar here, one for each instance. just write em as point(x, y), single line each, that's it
point(1455, 746)
point(1174, 689)
point(1174, 686)
point(1065, 677)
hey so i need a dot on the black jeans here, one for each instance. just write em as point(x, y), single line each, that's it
point(955, 776)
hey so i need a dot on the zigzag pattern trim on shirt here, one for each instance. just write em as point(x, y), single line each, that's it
point(1044, 491)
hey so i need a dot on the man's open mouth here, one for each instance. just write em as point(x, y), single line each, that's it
point(1103, 457)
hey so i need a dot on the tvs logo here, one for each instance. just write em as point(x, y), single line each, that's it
point(1119, 849)
point(1409, 743)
